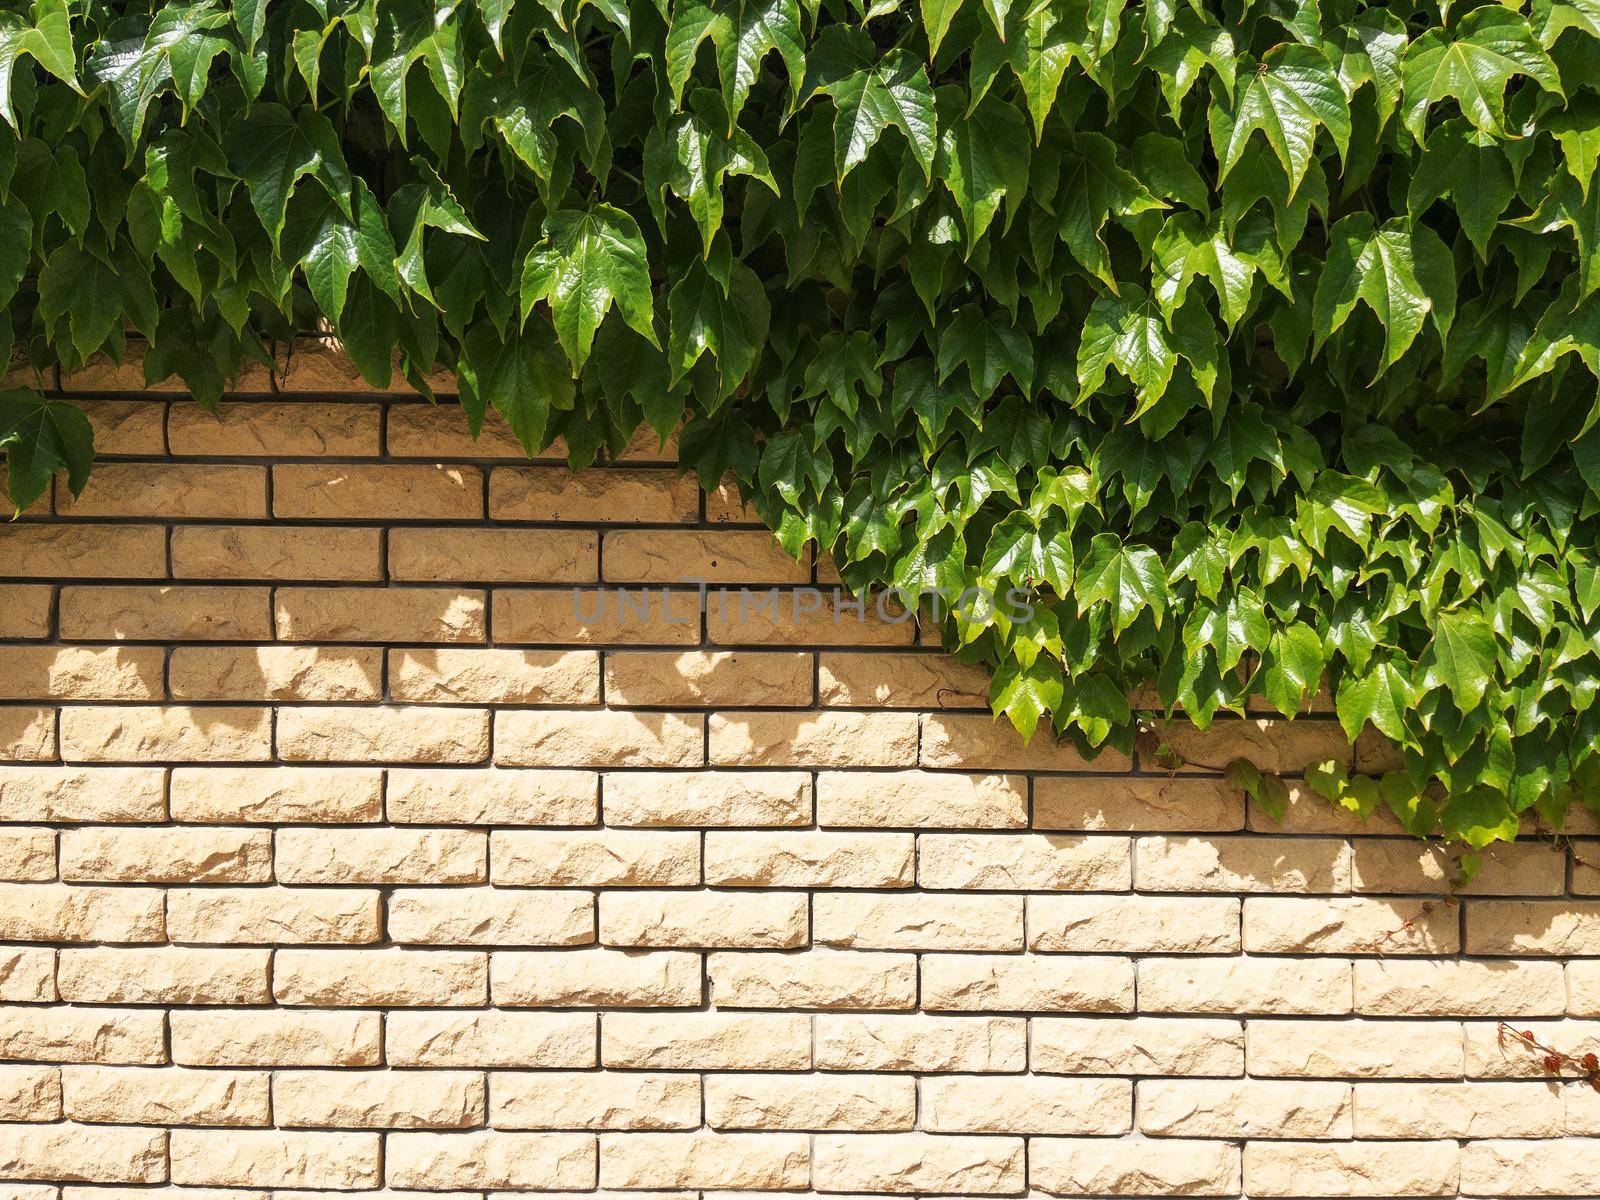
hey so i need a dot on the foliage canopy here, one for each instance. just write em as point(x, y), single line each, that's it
point(1261, 337)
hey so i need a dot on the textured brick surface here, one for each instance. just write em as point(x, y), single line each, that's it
point(344, 848)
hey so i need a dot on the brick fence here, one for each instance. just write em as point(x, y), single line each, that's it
point(350, 848)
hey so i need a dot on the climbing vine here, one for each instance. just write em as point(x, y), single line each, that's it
point(1257, 341)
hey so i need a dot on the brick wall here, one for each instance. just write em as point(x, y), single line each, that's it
point(344, 852)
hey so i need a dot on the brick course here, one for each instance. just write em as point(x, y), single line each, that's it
point(344, 849)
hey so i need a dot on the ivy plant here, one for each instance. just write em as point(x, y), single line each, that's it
point(1257, 341)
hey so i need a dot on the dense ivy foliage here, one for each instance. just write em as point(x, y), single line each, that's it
point(1261, 338)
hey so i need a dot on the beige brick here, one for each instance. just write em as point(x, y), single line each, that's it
point(769, 616)
point(994, 1104)
point(1403, 865)
point(1496, 1053)
point(810, 860)
point(494, 555)
point(1582, 1111)
point(165, 1096)
point(1166, 1167)
point(1244, 985)
point(276, 1038)
point(593, 1100)
point(1461, 1110)
point(171, 491)
point(73, 794)
point(30, 1093)
point(495, 676)
point(844, 1103)
point(275, 1158)
point(27, 974)
point(168, 975)
point(274, 553)
point(127, 426)
point(921, 1043)
point(1307, 812)
point(1353, 925)
point(1355, 1049)
point(1454, 988)
point(25, 608)
point(1562, 1167)
point(51, 912)
point(864, 679)
point(81, 673)
point(921, 800)
point(300, 795)
point(722, 556)
point(919, 1162)
point(274, 915)
point(1559, 928)
point(370, 614)
point(1136, 802)
point(594, 858)
point(27, 734)
point(705, 1160)
point(1023, 862)
point(923, 921)
point(491, 917)
point(587, 617)
point(1245, 1108)
point(173, 733)
point(441, 431)
point(598, 739)
point(275, 673)
point(645, 445)
point(612, 495)
point(1134, 924)
point(378, 1099)
point(713, 920)
point(724, 507)
point(1241, 864)
point(93, 1153)
point(381, 856)
point(166, 614)
point(388, 735)
point(1583, 980)
point(27, 854)
point(82, 1035)
point(708, 678)
point(286, 429)
point(489, 797)
point(1350, 1168)
point(813, 979)
point(663, 798)
point(597, 978)
point(1026, 983)
point(706, 1041)
point(370, 978)
point(166, 854)
point(981, 742)
point(492, 1040)
point(377, 492)
point(825, 739)
point(1138, 1046)
point(160, 1192)
point(1278, 747)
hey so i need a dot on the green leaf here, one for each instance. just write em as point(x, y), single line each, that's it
point(1288, 98)
point(892, 92)
point(40, 438)
point(587, 261)
point(983, 158)
point(1025, 694)
point(1472, 64)
point(521, 377)
point(693, 155)
point(1094, 188)
point(1377, 267)
point(272, 150)
point(1126, 579)
point(731, 325)
point(1382, 695)
point(1461, 658)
